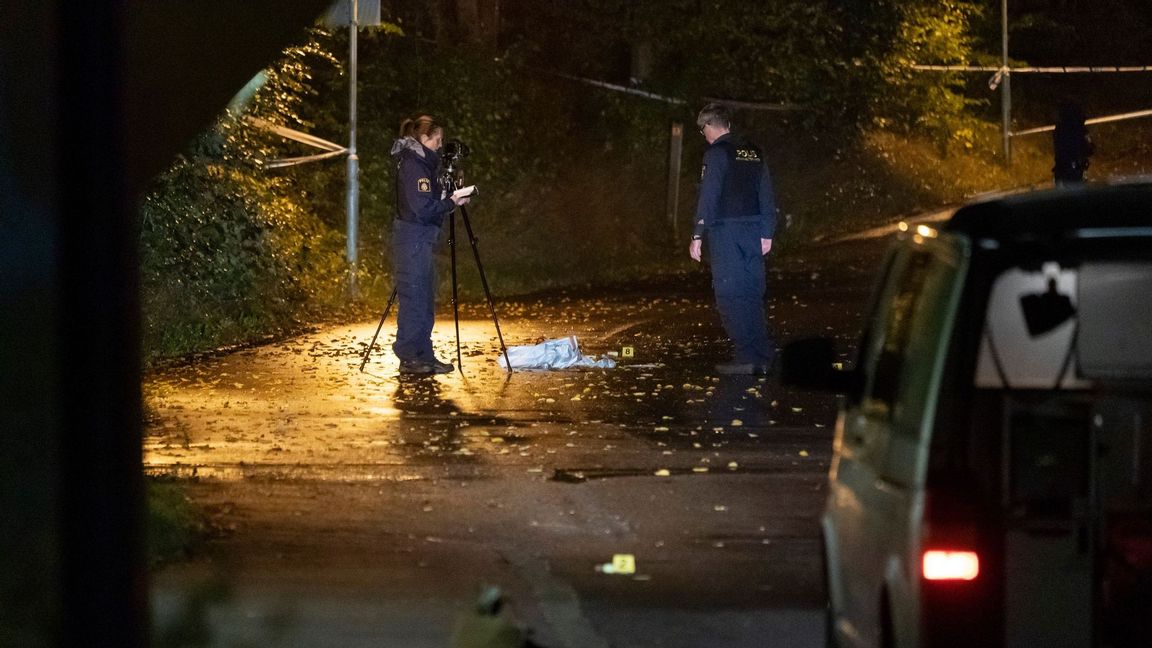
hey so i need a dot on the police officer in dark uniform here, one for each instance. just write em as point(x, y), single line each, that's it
point(421, 205)
point(737, 213)
point(1071, 146)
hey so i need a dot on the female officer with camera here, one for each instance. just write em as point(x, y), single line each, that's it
point(421, 205)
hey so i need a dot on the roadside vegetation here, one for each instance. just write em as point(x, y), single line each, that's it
point(574, 178)
point(174, 525)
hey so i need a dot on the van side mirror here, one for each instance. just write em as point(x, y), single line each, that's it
point(811, 364)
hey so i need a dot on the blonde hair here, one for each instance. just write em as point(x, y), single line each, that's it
point(421, 126)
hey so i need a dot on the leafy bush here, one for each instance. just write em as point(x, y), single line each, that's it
point(932, 103)
point(230, 252)
point(229, 255)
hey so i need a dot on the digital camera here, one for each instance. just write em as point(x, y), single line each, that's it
point(454, 151)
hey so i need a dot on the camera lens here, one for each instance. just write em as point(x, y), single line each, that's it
point(456, 149)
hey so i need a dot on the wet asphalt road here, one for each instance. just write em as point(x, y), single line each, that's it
point(366, 509)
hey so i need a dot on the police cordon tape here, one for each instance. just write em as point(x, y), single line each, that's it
point(735, 103)
point(1087, 122)
point(331, 149)
point(1001, 71)
point(334, 150)
point(1052, 69)
point(1004, 70)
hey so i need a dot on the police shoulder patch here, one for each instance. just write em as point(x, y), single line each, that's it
point(424, 185)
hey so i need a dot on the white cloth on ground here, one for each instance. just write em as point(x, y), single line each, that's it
point(561, 353)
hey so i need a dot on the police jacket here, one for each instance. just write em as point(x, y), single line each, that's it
point(420, 199)
point(735, 186)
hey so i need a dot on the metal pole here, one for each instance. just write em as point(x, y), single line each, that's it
point(484, 283)
point(455, 284)
point(353, 159)
point(1006, 88)
point(372, 344)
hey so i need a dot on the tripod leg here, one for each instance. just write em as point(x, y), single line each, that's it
point(387, 309)
point(484, 283)
point(455, 288)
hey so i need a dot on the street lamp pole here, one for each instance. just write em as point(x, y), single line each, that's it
point(353, 159)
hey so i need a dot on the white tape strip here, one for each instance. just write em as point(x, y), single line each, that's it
point(287, 162)
point(748, 105)
point(1035, 70)
point(295, 135)
point(1087, 122)
point(332, 149)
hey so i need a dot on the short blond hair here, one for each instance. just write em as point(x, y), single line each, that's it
point(716, 114)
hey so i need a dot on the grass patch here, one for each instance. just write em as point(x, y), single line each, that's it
point(175, 527)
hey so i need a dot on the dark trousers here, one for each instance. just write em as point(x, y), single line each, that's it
point(738, 281)
point(414, 263)
point(1068, 172)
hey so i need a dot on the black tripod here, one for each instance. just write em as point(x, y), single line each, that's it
point(450, 182)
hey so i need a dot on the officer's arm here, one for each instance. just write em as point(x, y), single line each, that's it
point(711, 184)
point(767, 205)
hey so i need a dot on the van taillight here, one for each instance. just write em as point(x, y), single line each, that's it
point(941, 564)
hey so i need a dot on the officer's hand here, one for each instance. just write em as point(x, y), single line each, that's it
point(694, 249)
point(765, 246)
point(460, 200)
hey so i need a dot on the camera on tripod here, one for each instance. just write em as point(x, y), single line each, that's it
point(451, 153)
point(454, 152)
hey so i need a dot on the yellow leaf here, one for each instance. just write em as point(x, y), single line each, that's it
point(624, 563)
